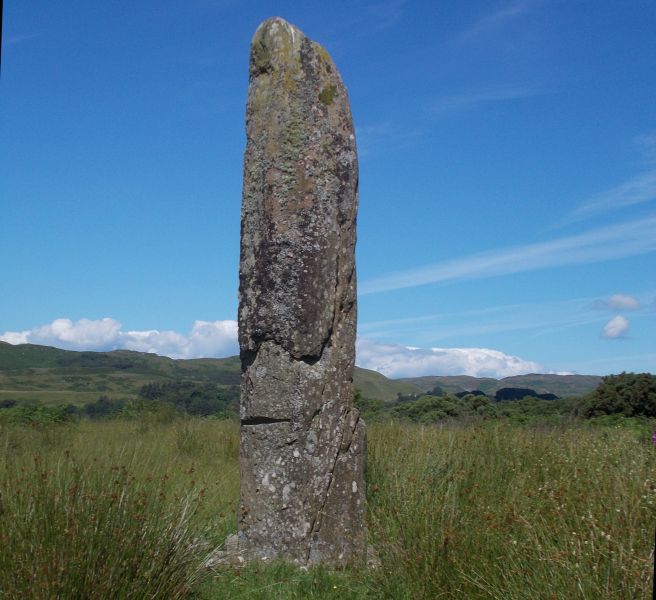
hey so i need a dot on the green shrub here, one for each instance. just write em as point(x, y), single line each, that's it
point(628, 394)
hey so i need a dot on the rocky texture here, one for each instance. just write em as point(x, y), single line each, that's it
point(303, 445)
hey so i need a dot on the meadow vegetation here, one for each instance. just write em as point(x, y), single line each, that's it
point(132, 508)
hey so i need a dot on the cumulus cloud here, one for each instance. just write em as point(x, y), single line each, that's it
point(219, 338)
point(617, 327)
point(623, 302)
point(394, 361)
point(84, 334)
point(618, 302)
point(206, 338)
point(14, 337)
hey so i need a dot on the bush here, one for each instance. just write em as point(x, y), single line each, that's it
point(35, 413)
point(628, 394)
point(199, 399)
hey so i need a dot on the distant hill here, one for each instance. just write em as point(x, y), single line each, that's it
point(373, 384)
point(32, 372)
point(560, 385)
point(28, 371)
point(453, 384)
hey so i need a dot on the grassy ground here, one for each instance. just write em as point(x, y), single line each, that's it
point(130, 509)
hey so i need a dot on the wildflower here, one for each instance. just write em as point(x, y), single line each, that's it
point(653, 438)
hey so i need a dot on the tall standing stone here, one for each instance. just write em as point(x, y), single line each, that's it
point(303, 445)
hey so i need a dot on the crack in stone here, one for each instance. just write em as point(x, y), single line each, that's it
point(317, 518)
point(250, 421)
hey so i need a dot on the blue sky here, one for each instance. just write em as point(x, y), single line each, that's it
point(507, 177)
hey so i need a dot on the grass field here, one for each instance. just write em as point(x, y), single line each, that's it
point(130, 509)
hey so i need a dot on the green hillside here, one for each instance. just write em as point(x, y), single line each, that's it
point(453, 384)
point(375, 385)
point(31, 372)
point(51, 375)
point(26, 356)
point(560, 385)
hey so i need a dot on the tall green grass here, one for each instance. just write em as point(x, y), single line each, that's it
point(131, 509)
point(503, 512)
point(116, 510)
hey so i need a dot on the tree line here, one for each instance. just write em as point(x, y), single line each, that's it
point(626, 395)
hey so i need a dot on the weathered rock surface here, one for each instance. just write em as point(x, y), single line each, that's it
point(303, 445)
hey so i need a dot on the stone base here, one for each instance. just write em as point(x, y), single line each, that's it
point(234, 556)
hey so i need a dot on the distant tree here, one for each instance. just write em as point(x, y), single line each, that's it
point(368, 407)
point(514, 393)
point(629, 394)
point(471, 393)
point(428, 409)
point(401, 398)
point(201, 399)
point(103, 408)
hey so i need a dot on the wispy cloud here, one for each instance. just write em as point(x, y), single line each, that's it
point(496, 19)
point(607, 243)
point(539, 318)
point(647, 143)
point(618, 302)
point(384, 15)
point(637, 190)
point(469, 100)
point(385, 137)
point(365, 20)
point(12, 40)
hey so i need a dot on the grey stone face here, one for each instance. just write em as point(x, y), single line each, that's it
point(303, 445)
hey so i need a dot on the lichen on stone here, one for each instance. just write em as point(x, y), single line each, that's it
point(327, 95)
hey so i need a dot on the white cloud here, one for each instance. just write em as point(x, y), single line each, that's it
point(14, 337)
point(616, 327)
point(219, 338)
point(212, 338)
point(402, 361)
point(206, 338)
point(606, 243)
point(623, 302)
point(84, 334)
point(164, 343)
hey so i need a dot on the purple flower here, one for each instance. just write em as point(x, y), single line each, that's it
point(653, 437)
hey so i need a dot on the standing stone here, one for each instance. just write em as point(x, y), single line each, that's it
point(303, 445)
